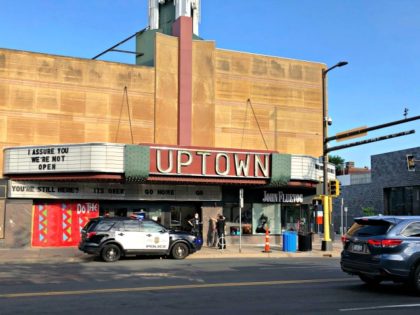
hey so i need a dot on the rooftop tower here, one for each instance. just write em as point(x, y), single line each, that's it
point(162, 16)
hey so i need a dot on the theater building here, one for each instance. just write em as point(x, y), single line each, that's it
point(181, 132)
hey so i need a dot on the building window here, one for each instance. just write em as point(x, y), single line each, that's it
point(257, 216)
point(231, 213)
point(180, 215)
point(403, 200)
point(266, 216)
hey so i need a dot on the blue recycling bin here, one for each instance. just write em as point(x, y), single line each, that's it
point(289, 241)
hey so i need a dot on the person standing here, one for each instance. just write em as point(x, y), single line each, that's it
point(220, 227)
point(195, 223)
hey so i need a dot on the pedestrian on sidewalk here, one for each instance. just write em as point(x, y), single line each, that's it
point(196, 228)
point(220, 226)
point(195, 225)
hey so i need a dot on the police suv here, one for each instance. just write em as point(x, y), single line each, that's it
point(112, 238)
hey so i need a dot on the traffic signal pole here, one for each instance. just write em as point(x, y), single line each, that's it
point(326, 197)
point(326, 242)
point(362, 131)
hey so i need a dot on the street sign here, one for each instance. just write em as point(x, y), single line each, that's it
point(241, 205)
point(241, 197)
point(341, 136)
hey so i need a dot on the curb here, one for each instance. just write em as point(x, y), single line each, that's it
point(36, 255)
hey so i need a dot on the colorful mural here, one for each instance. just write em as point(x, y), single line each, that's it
point(59, 224)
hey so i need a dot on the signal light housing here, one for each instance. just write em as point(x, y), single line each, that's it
point(411, 162)
point(334, 188)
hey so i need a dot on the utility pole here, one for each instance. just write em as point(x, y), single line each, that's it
point(326, 121)
point(345, 224)
point(241, 205)
point(342, 210)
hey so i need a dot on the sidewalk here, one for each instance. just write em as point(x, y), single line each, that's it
point(257, 251)
point(72, 254)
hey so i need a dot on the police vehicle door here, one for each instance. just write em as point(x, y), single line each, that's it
point(130, 236)
point(156, 236)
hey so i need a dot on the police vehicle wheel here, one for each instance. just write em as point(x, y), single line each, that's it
point(179, 251)
point(111, 253)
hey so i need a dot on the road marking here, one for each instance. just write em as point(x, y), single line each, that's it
point(299, 267)
point(378, 307)
point(172, 287)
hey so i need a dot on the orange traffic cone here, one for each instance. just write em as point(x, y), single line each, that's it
point(267, 241)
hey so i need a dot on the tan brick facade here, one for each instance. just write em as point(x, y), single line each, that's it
point(46, 99)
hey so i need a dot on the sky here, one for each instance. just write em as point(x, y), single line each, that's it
point(380, 39)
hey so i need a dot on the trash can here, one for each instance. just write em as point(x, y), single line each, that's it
point(305, 242)
point(289, 241)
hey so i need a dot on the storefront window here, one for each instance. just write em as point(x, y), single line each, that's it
point(296, 218)
point(266, 216)
point(291, 216)
point(181, 214)
point(231, 213)
point(257, 216)
point(155, 214)
point(176, 217)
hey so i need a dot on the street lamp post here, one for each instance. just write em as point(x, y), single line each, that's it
point(326, 243)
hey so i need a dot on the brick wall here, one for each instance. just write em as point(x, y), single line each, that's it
point(388, 170)
point(18, 223)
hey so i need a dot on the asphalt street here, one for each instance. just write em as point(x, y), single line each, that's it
point(200, 286)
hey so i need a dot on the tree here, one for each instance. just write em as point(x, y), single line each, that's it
point(338, 161)
point(368, 211)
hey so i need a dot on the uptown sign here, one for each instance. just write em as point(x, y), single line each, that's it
point(171, 161)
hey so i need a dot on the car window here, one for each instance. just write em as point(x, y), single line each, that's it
point(90, 225)
point(412, 230)
point(369, 229)
point(152, 227)
point(132, 226)
point(104, 226)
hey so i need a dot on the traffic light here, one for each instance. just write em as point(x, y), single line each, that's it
point(334, 188)
point(411, 162)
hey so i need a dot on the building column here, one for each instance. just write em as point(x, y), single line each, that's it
point(2, 218)
point(182, 28)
